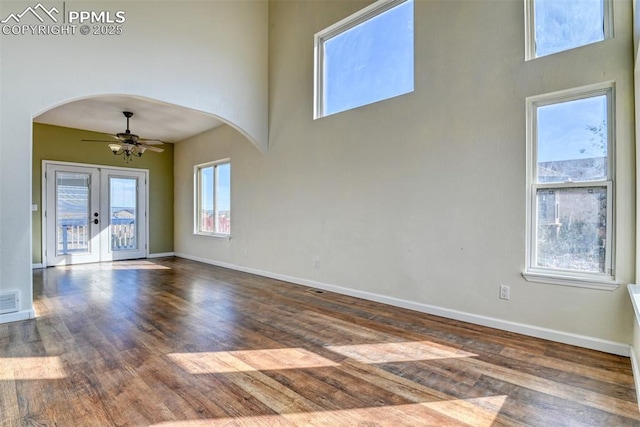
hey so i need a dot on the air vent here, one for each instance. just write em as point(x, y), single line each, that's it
point(9, 302)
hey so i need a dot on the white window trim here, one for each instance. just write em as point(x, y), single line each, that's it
point(603, 281)
point(604, 284)
point(339, 27)
point(530, 28)
point(197, 200)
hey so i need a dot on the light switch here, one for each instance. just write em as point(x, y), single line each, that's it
point(34, 208)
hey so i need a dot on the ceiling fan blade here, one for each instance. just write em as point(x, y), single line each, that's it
point(156, 149)
point(150, 141)
point(95, 140)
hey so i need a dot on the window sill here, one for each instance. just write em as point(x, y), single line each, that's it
point(634, 293)
point(214, 235)
point(566, 280)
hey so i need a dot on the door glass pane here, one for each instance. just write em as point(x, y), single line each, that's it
point(123, 210)
point(572, 229)
point(73, 214)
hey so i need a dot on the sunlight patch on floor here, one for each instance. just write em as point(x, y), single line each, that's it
point(399, 352)
point(249, 360)
point(31, 368)
point(137, 265)
point(479, 412)
point(116, 265)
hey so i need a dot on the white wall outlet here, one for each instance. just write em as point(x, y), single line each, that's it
point(505, 292)
point(316, 263)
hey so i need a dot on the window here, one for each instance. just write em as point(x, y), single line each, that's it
point(570, 221)
point(555, 26)
point(213, 198)
point(364, 58)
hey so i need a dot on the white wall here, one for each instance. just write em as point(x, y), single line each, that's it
point(420, 198)
point(635, 341)
point(210, 56)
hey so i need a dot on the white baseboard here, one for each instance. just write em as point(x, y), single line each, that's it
point(18, 315)
point(161, 255)
point(37, 266)
point(505, 325)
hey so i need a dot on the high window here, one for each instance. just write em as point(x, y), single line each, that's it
point(213, 198)
point(555, 26)
point(570, 221)
point(364, 58)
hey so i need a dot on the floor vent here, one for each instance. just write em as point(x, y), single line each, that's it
point(9, 302)
point(316, 291)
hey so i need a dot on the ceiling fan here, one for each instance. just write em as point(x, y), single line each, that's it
point(129, 144)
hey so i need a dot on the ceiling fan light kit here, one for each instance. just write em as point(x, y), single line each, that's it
point(130, 144)
point(127, 150)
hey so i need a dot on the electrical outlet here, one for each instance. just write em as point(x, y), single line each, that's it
point(316, 264)
point(505, 292)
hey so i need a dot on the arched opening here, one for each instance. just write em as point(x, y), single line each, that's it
point(73, 139)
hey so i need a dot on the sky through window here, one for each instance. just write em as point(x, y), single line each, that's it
point(566, 24)
point(369, 62)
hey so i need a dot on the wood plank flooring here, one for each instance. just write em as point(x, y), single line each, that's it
point(171, 342)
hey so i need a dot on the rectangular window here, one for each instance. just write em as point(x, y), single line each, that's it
point(570, 221)
point(555, 26)
point(365, 58)
point(213, 198)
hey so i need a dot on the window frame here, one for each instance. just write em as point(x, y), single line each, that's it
point(377, 8)
point(197, 185)
point(530, 29)
point(533, 273)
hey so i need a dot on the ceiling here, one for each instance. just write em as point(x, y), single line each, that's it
point(151, 119)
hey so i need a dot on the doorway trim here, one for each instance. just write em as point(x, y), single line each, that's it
point(43, 218)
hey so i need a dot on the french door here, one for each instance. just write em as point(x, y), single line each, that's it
point(93, 214)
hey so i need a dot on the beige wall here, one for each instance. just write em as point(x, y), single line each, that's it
point(419, 198)
point(210, 56)
point(63, 144)
point(217, 144)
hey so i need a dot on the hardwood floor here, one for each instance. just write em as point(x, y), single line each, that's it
point(173, 342)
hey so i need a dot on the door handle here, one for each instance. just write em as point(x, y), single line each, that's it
point(95, 221)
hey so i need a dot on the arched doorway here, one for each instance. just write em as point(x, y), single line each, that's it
point(69, 235)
